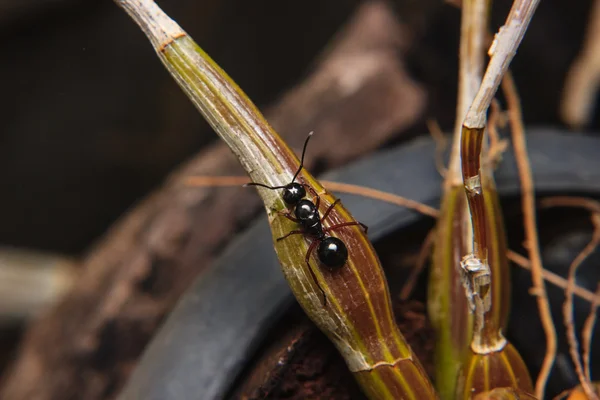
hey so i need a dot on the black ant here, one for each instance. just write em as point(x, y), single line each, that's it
point(331, 251)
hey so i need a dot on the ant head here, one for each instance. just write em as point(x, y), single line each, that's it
point(293, 193)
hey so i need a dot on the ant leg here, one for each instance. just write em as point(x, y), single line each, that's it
point(290, 234)
point(329, 209)
point(365, 228)
point(288, 215)
point(338, 226)
point(313, 193)
point(312, 273)
point(317, 203)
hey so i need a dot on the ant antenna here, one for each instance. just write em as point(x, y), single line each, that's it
point(262, 185)
point(302, 159)
point(295, 175)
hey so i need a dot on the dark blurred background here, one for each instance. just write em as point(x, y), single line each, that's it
point(91, 121)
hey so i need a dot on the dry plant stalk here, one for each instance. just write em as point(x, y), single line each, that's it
point(492, 362)
point(357, 316)
point(502, 51)
point(447, 304)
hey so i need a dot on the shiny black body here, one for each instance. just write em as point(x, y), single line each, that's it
point(293, 193)
point(307, 214)
point(331, 251)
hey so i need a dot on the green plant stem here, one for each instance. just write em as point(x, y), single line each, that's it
point(357, 316)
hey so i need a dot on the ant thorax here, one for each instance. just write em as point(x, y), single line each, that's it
point(305, 209)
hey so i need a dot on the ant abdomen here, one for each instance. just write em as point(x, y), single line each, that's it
point(332, 252)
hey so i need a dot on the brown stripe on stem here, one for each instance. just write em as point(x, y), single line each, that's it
point(230, 112)
point(358, 316)
point(471, 170)
point(357, 291)
point(407, 377)
point(489, 241)
point(497, 253)
point(447, 304)
point(505, 394)
point(446, 301)
point(485, 372)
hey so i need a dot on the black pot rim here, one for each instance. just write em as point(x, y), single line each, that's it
point(223, 317)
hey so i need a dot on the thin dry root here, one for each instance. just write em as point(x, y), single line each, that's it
point(383, 196)
point(568, 309)
point(410, 283)
point(523, 262)
point(553, 278)
point(497, 145)
point(531, 237)
point(586, 335)
point(581, 367)
point(441, 143)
